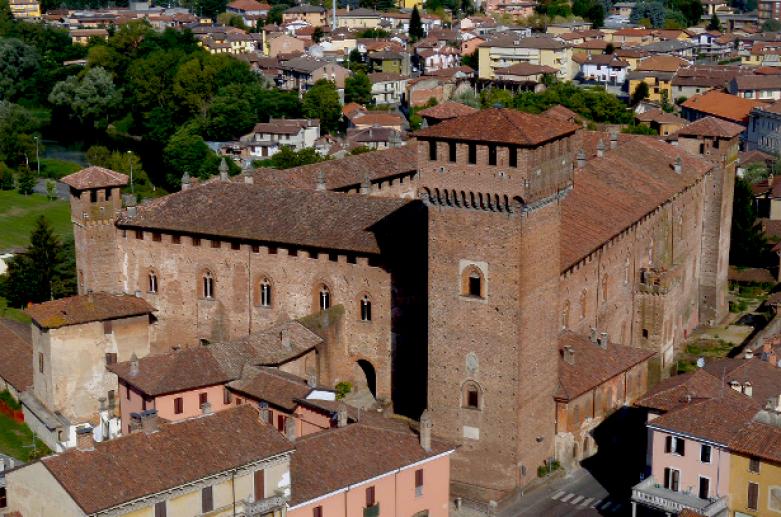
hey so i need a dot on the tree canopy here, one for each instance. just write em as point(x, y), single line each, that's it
point(322, 101)
point(358, 88)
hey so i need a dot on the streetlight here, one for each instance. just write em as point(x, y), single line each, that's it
point(36, 155)
point(130, 157)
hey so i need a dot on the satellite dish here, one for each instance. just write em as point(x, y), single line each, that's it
point(700, 362)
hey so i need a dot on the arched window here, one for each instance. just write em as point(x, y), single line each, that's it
point(152, 278)
point(208, 285)
point(604, 287)
point(265, 292)
point(324, 297)
point(471, 395)
point(583, 302)
point(366, 309)
point(565, 315)
point(473, 282)
point(626, 271)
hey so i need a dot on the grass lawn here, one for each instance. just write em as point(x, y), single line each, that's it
point(18, 214)
point(16, 440)
point(55, 168)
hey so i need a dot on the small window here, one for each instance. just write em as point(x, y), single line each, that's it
point(472, 283)
point(272, 250)
point(432, 150)
point(259, 480)
point(265, 293)
point(178, 405)
point(472, 153)
point(127, 392)
point(239, 401)
point(317, 511)
point(215, 243)
point(152, 282)
point(140, 235)
point(40, 362)
point(471, 396)
point(370, 497)
point(111, 358)
point(645, 333)
point(226, 396)
point(418, 482)
point(491, 154)
point(207, 499)
point(753, 465)
point(324, 298)
point(203, 398)
point(156, 237)
point(705, 451)
point(366, 309)
point(513, 154)
point(196, 241)
point(675, 445)
point(176, 239)
point(4, 498)
point(255, 248)
point(160, 509)
point(235, 245)
point(208, 285)
point(753, 496)
point(451, 151)
point(281, 423)
point(704, 489)
point(108, 327)
point(93, 196)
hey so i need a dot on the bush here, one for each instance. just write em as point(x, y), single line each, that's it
point(5, 396)
point(342, 389)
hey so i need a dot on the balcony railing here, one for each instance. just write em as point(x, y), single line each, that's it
point(264, 506)
point(653, 495)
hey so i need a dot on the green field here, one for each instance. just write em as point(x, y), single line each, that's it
point(18, 214)
point(16, 441)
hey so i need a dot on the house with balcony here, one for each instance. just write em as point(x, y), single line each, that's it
point(388, 88)
point(604, 68)
point(301, 73)
point(267, 138)
point(505, 50)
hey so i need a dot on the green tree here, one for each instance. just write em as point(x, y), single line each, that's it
point(6, 178)
point(287, 158)
point(639, 129)
point(373, 34)
point(317, 34)
point(416, 31)
point(322, 102)
point(652, 10)
point(16, 127)
point(771, 25)
point(51, 189)
point(641, 93)
point(358, 88)
point(90, 99)
point(748, 246)
point(492, 97)
point(187, 152)
point(18, 65)
point(591, 10)
point(275, 14)
point(44, 272)
point(25, 183)
point(714, 24)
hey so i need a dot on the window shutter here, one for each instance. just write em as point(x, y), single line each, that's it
point(668, 444)
point(260, 488)
point(681, 446)
point(370, 496)
point(667, 477)
point(419, 477)
point(753, 495)
point(160, 509)
point(207, 501)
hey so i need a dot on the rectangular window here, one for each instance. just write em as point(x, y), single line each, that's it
point(207, 499)
point(753, 496)
point(111, 399)
point(317, 511)
point(238, 401)
point(140, 235)
point(472, 153)
point(40, 362)
point(704, 488)
point(672, 479)
point(178, 405)
point(156, 237)
point(107, 327)
point(491, 154)
point(432, 150)
point(281, 423)
point(370, 500)
point(753, 465)
point(3, 497)
point(513, 152)
point(260, 484)
point(160, 509)
point(418, 482)
point(196, 241)
point(127, 392)
point(203, 398)
point(175, 239)
point(674, 445)
point(451, 151)
point(705, 451)
point(226, 396)
point(111, 357)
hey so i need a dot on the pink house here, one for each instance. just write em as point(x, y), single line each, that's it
point(361, 469)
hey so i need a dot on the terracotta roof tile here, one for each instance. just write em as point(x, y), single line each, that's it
point(712, 127)
point(376, 118)
point(765, 378)
point(756, 275)
point(662, 64)
point(593, 364)
point(501, 126)
point(273, 386)
point(524, 69)
point(372, 451)
point(758, 82)
point(715, 419)
point(95, 177)
point(447, 110)
point(140, 464)
point(86, 308)
point(16, 355)
point(234, 210)
point(561, 113)
point(722, 105)
point(675, 392)
point(758, 439)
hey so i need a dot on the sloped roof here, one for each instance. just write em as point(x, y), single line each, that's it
point(447, 110)
point(273, 386)
point(765, 378)
point(712, 127)
point(75, 310)
point(501, 126)
point(674, 392)
point(16, 354)
point(722, 105)
point(524, 69)
point(758, 439)
point(662, 64)
point(95, 177)
point(713, 419)
point(137, 465)
point(594, 365)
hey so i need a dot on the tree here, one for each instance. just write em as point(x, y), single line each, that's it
point(16, 126)
point(639, 129)
point(416, 31)
point(322, 102)
point(641, 93)
point(690, 9)
point(51, 189)
point(748, 245)
point(275, 14)
point(6, 178)
point(654, 11)
point(89, 99)
point(609, 49)
point(358, 88)
point(771, 25)
point(18, 65)
point(317, 35)
point(714, 24)
point(591, 10)
point(25, 183)
point(287, 158)
point(45, 271)
point(187, 152)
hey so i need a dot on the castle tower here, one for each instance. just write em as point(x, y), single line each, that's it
point(493, 182)
point(718, 141)
point(95, 200)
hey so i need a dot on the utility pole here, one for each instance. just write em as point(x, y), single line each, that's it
point(130, 157)
point(37, 160)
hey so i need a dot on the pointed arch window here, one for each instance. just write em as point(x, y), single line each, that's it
point(265, 292)
point(208, 285)
point(366, 308)
point(324, 297)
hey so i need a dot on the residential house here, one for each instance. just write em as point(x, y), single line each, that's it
point(179, 383)
point(632, 55)
point(301, 73)
point(523, 75)
point(369, 119)
point(249, 10)
point(82, 36)
point(280, 43)
point(503, 51)
point(442, 86)
point(266, 138)
point(430, 60)
point(672, 47)
point(711, 7)
point(514, 8)
point(25, 9)
point(721, 105)
point(388, 88)
point(410, 4)
point(764, 129)
point(374, 138)
point(628, 37)
point(389, 62)
point(312, 14)
point(663, 123)
point(565, 27)
point(767, 10)
point(604, 68)
point(596, 378)
point(695, 79)
point(16, 357)
point(588, 47)
point(359, 19)
point(388, 470)
point(657, 72)
point(217, 464)
point(445, 111)
point(622, 8)
point(760, 87)
point(74, 339)
point(763, 53)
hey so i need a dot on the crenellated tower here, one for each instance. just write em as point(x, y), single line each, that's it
point(493, 182)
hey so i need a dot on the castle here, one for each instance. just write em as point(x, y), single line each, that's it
point(522, 226)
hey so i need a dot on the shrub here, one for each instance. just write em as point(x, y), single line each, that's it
point(342, 389)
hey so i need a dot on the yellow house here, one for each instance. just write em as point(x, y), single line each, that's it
point(82, 36)
point(755, 469)
point(657, 72)
point(25, 9)
point(219, 464)
point(359, 19)
point(410, 4)
point(505, 51)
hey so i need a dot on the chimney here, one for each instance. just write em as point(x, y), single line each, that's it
point(247, 173)
point(425, 431)
point(748, 354)
point(133, 365)
point(593, 335)
point(223, 168)
point(149, 421)
point(613, 138)
point(320, 181)
point(365, 185)
point(206, 408)
point(128, 200)
point(581, 158)
point(602, 341)
point(569, 355)
point(735, 385)
point(186, 182)
point(264, 414)
point(600, 148)
point(284, 339)
point(290, 429)
point(748, 389)
point(341, 415)
point(678, 165)
point(84, 439)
